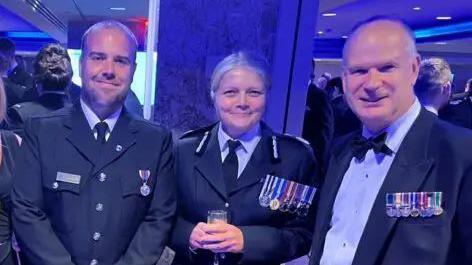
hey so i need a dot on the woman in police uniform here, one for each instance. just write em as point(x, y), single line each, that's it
point(264, 181)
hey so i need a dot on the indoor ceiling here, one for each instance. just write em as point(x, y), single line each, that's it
point(52, 16)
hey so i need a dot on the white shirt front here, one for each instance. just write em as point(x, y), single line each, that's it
point(93, 119)
point(249, 141)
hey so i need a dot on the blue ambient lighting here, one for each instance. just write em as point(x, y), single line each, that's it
point(444, 30)
point(27, 35)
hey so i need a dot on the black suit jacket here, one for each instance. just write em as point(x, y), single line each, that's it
point(270, 237)
point(56, 222)
point(434, 156)
point(459, 113)
point(46, 103)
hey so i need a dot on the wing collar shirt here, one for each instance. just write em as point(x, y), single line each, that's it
point(358, 191)
point(249, 141)
point(93, 119)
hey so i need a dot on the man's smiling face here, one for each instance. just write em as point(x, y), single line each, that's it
point(380, 69)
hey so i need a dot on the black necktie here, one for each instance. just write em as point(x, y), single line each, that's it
point(230, 165)
point(101, 128)
point(361, 145)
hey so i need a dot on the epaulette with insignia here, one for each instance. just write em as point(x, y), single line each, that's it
point(298, 138)
point(204, 137)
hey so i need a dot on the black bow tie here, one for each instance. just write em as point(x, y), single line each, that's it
point(361, 145)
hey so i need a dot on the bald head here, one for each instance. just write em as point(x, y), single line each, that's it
point(382, 29)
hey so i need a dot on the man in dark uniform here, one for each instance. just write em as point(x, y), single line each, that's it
point(95, 184)
point(16, 74)
point(459, 110)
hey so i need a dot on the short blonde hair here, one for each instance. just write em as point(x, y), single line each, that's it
point(3, 101)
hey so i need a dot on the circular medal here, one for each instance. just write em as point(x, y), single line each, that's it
point(302, 211)
point(405, 211)
point(274, 204)
point(415, 212)
point(438, 210)
point(292, 208)
point(145, 190)
point(283, 207)
point(391, 212)
point(264, 201)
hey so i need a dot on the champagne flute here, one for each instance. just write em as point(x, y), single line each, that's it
point(215, 216)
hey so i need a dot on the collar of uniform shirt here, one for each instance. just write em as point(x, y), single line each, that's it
point(399, 128)
point(93, 119)
point(249, 140)
point(431, 109)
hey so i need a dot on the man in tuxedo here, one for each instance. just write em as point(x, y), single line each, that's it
point(434, 85)
point(398, 192)
point(94, 184)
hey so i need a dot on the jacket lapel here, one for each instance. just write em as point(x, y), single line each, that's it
point(408, 172)
point(209, 164)
point(121, 139)
point(79, 134)
point(338, 166)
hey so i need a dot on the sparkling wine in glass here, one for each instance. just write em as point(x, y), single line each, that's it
point(215, 216)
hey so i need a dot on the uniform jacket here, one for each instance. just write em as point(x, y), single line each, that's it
point(74, 203)
point(46, 103)
point(458, 112)
point(434, 156)
point(270, 237)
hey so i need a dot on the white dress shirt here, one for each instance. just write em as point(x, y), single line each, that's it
point(249, 141)
point(93, 119)
point(359, 189)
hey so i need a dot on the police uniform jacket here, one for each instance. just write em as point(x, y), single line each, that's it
point(46, 103)
point(270, 237)
point(434, 156)
point(74, 203)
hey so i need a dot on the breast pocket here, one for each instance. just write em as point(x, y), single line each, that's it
point(136, 198)
point(61, 201)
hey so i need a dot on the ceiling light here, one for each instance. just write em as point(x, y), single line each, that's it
point(417, 8)
point(320, 32)
point(443, 18)
point(440, 43)
point(118, 8)
point(329, 14)
point(344, 37)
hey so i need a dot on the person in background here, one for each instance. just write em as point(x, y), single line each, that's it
point(263, 180)
point(15, 72)
point(397, 192)
point(459, 110)
point(14, 92)
point(318, 121)
point(434, 84)
point(10, 144)
point(52, 74)
point(94, 184)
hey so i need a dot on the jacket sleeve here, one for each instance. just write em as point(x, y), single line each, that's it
point(32, 227)
point(266, 244)
point(154, 232)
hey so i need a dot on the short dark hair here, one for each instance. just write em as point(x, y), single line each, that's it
point(52, 68)
point(109, 24)
point(434, 73)
point(7, 47)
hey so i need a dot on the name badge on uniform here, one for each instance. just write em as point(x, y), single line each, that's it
point(414, 204)
point(67, 177)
